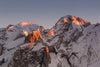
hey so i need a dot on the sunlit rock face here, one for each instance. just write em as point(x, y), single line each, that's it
point(26, 23)
point(73, 20)
point(51, 32)
point(16, 31)
point(68, 20)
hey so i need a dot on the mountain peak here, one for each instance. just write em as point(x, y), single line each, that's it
point(26, 23)
point(68, 20)
point(73, 20)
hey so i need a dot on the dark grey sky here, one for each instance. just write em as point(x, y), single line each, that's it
point(47, 12)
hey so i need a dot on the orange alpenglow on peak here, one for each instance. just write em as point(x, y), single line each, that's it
point(65, 20)
point(47, 50)
point(51, 32)
point(73, 20)
point(26, 23)
point(59, 23)
point(82, 21)
point(9, 28)
point(25, 33)
point(34, 35)
point(48, 55)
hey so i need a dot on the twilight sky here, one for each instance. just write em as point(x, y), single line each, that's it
point(47, 12)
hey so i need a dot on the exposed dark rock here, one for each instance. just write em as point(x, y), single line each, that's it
point(27, 57)
point(2, 61)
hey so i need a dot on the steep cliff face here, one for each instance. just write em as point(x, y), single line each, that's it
point(72, 42)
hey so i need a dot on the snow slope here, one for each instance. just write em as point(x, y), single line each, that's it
point(97, 64)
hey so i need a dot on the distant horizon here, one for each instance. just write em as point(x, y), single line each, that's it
point(47, 13)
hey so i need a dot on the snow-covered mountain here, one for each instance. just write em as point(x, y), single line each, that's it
point(12, 37)
point(77, 40)
point(72, 42)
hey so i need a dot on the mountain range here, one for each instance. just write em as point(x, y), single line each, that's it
point(71, 42)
